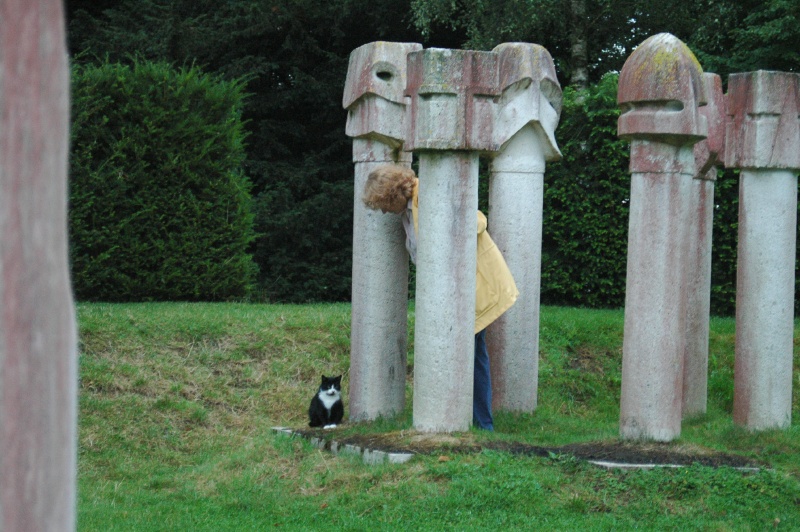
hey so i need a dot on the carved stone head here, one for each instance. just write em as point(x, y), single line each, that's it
point(660, 89)
point(763, 122)
point(373, 93)
point(452, 100)
point(530, 94)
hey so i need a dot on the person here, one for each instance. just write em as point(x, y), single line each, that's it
point(394, 189)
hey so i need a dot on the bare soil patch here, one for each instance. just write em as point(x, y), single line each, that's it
point(609, 451)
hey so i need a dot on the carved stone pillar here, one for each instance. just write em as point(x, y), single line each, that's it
point(708, 153)
point(451, 122)
point(527, 116)
point(763, 139)
point(373, 97)
point(660, 89)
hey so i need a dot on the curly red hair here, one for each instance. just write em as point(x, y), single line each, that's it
point(389, 187)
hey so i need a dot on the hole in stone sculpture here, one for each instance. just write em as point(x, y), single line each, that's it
point(385, 71)
point(672, 106)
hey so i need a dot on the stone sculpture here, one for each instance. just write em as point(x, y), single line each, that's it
point(660, 89)
point(763, 139)
point(460, 104)
point(373, 97)
point(668, 107)
point(451, 122)
point(708, 155)
point(527, 115)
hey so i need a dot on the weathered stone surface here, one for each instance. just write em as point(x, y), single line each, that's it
point(655, 298)
point(660, 88)
point(765, 299)
point(515, 200)
point(530, 95)
point(370, 456)
point(38, 344)
point(527, 115)
point(373, 94)
point(763, 125)
point(445, 306)
point(763, 138)
point(452, 100)
point(708, 153)
point(378, 331)
point(451, 121)
point(453, 116)
point(698, 271)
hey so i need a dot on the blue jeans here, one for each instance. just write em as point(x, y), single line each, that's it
point(482, 386)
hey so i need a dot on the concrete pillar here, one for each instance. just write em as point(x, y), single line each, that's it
point(660, 89)
point(763, 139)
point(708, 153)
point(528, 113)
point(38, 355)
point(376, 107)
point(451, 121)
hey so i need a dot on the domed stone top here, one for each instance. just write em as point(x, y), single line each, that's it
point(660, 88)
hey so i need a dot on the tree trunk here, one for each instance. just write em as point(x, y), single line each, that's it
point(579, 54)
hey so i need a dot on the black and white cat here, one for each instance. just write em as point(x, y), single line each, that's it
point(326, 408)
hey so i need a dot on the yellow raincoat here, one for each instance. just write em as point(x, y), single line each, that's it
point(495, 291)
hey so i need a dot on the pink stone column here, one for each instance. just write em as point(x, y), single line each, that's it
point(763, 139)
point(451, 121)
point(660, 89)
point(708, 154)
point(527, 116)
point(373, 97)
point(38, 358)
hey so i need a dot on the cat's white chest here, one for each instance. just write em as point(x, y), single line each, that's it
point(328, 398)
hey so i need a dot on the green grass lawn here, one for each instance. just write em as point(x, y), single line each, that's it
point(177, 402)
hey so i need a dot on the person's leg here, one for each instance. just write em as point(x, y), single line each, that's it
point(482, 386)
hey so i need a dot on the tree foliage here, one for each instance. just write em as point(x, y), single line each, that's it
point(596, 36)
point(749, 35)
point(294, 57)
point(726, 36)
point(159, 208)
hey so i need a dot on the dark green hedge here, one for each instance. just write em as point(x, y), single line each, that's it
point(159, 206)
point(724, 241)
point(585, 226)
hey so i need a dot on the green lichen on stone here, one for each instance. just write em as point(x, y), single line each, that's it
point(657, 65)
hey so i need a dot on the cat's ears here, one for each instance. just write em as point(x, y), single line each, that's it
point(337, 378)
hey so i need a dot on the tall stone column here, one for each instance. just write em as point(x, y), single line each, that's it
point(527, 116)
point(763, 139)
point(373, 97)
point(708, 153)
point(38, 344)
point(660, 88)
point(451, 121)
